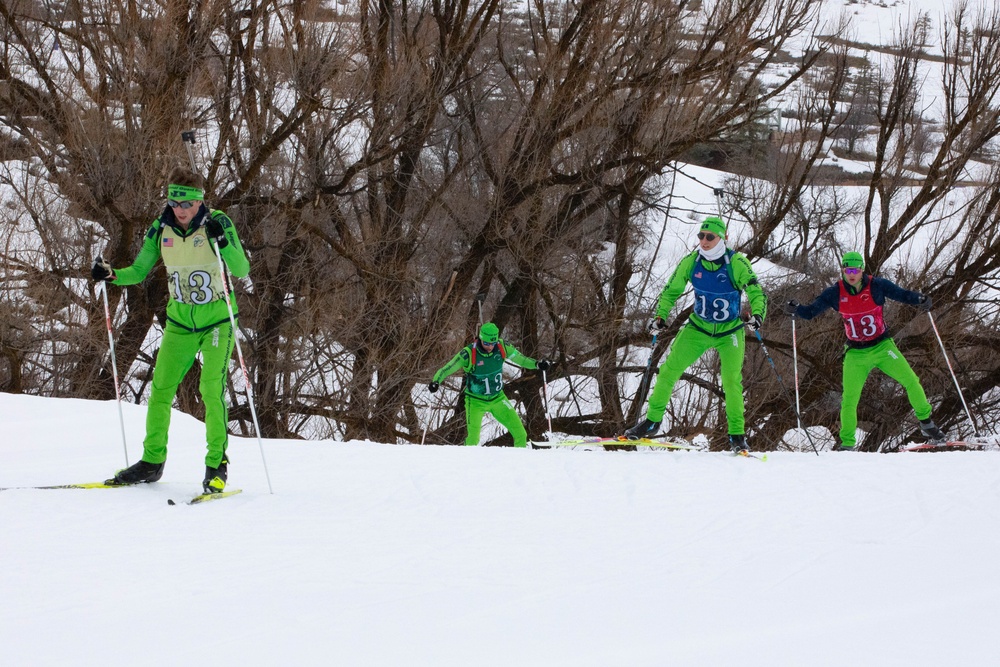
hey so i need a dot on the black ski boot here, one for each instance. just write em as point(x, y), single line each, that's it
point(215, 478)
point(842, 448)
point(738, 444)
point(138, 473)
point(934, 435)
point(644, 429)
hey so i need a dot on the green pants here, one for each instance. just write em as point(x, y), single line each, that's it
point(502, 410)
point(858, 364)
point(686, 349)
point(175, 358)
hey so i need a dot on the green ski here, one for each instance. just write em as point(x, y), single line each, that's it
point(205, 497)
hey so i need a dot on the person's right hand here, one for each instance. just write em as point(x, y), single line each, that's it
point(102, 271)
point(657, 326)
point(791, 307)
point(433, 386)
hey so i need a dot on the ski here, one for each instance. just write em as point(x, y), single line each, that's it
point(205, 497)
point(950, 446)
point(751, 455)
point(622, 441)
point(85, 485)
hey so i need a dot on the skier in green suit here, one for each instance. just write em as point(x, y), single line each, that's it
point(859, 299)
point(719, 277)
point(185, 237)
point(483, 363)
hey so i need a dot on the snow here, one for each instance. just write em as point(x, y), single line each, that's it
point(371, 554)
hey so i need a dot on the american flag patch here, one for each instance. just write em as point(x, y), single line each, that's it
point(169, 242)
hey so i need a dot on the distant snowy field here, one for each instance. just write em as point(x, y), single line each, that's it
point(371, 554)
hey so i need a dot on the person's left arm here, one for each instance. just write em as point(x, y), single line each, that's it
point(222, 230)
point(882, 287)
point(518, 359)
point(746, 281)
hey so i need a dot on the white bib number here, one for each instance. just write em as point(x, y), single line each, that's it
point(720, 309)
point(198, 289)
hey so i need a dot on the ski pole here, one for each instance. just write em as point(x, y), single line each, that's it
point(243, 366)
point(103, 288)
point(784, 388)
point(954, 377)
point(644, 385)
point(437, 407)
point(795, 366)
point(545, 393)
point(480, 297)
point(188, 139)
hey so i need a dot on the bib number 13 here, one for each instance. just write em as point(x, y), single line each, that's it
point(868, 327)
point(718, 313)
point(199, 287)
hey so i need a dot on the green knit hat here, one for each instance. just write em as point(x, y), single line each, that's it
point(489, 333)
point(714, 225)
point(853, 260)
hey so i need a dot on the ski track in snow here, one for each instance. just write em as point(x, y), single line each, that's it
point(373, 554)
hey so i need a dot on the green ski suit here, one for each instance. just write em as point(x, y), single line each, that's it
point(197, 320)
point(862, 357)
point(699, 334)
point(484, 388)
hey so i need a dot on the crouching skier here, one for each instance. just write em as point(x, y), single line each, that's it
point(483, 365)
point(185, 237)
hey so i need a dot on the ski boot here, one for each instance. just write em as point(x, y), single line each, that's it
point(215, 478)
point(137, 473)
point(738, 445)
point(644, 429)
point(842, 448)
point(934, 435)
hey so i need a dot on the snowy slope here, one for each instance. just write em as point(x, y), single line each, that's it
point(373, 554)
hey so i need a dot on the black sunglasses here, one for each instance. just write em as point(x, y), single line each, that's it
point(702, 236)
point(183, 204)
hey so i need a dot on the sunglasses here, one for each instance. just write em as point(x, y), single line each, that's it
point(852, 272)
point(183, 204)
point(702, 236)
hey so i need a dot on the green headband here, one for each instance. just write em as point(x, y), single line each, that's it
point(184, 193)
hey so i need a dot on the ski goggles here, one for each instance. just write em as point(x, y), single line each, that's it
point(184, 193)
point(851, 271)
point(702, 236)
point(181, 204)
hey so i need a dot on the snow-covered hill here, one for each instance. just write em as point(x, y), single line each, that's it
point(371, 554)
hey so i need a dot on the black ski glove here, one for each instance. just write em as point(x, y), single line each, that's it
point(925, 303)
point(755, 322)
point(102, 271)
point(433, 386)
point(543, 364)
point(657, 326)
point(791, 307)
point(215, 232)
